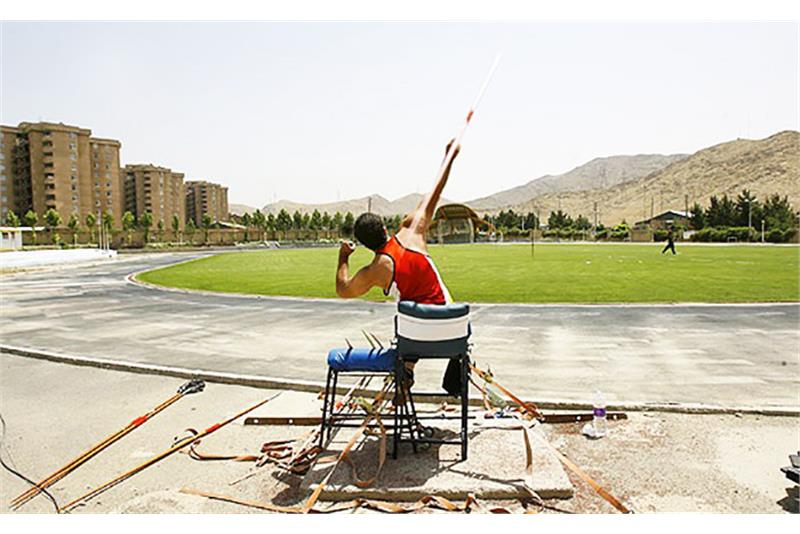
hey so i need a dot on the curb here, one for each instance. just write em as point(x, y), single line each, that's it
point(267, 382)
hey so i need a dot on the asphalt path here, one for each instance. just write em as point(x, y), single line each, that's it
point(722, 355)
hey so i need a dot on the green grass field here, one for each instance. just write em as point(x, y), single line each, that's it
point(556, 273)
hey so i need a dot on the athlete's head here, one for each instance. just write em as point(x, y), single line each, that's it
point(370, 231)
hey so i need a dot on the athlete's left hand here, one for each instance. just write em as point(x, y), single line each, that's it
point(346, 248)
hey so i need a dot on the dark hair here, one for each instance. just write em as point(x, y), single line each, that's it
point(369, 230)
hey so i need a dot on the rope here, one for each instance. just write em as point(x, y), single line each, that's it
point(17, 473)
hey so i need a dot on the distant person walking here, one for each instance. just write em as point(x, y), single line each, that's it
point(670, 243)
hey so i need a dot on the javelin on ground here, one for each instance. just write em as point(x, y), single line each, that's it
point(448, 158)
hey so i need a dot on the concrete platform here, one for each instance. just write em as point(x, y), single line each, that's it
point(494, 469)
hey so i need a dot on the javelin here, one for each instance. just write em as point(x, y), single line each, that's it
point(451, 150)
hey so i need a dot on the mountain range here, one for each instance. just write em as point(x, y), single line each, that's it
point(379, 205)
point(630, 187)
point(765, 167)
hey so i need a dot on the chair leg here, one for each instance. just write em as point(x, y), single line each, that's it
point(325, 408)
point(396, 429)
point(464, 404)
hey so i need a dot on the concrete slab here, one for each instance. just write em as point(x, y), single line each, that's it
point(494, 469)
point(38, 258)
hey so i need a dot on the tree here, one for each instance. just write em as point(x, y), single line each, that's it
point(145, 222)
point(582, 223)
point(297, 220)
point(108, 221)
point(721, 212)
point(697, 217)
point(207, 222)
point(270, 224)
point(52, 220)
point(392, 224)
point(746, 209)
point(283, 222)
point(12, 219)
point(531, 221)
point(315, 223)
point(326, 221)
point(348, 224)
point(508, 219)
point(176, 227)
point(258, 222)
point(31, 219)
point(160, 225)
point(778, 213)
point(336, 223)
point(246, 221)
point(90, 220)
point(128, 221)
point(559, 219)
point(73, 224)
point(190, 229)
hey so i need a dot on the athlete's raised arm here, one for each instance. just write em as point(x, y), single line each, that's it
point(420, 219)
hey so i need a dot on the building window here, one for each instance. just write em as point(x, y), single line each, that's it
point(73, 156)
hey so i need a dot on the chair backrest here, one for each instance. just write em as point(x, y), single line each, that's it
point(432, 330)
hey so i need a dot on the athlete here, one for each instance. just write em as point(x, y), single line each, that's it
point(401, 266)
point(670, 244)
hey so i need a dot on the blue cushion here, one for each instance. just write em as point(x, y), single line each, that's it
point(362, 359)
point(432, 311)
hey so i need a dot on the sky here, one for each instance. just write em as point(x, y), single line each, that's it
point(324, 111)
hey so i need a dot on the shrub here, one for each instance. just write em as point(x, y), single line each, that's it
point(723, 234)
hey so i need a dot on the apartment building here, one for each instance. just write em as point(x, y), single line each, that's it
point(8, 145)
point(107, 190)
point(206, 198)
point(60, 167)
point(157, 190)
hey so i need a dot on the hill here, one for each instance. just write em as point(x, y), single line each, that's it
point(765, 167)
point(380, 205)
point(598, 173)
point(240, 209)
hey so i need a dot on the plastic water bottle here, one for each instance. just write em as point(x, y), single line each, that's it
point(599, 420)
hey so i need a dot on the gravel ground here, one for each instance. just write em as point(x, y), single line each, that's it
point(653, 462)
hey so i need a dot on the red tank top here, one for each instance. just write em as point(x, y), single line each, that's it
point(414, 277)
